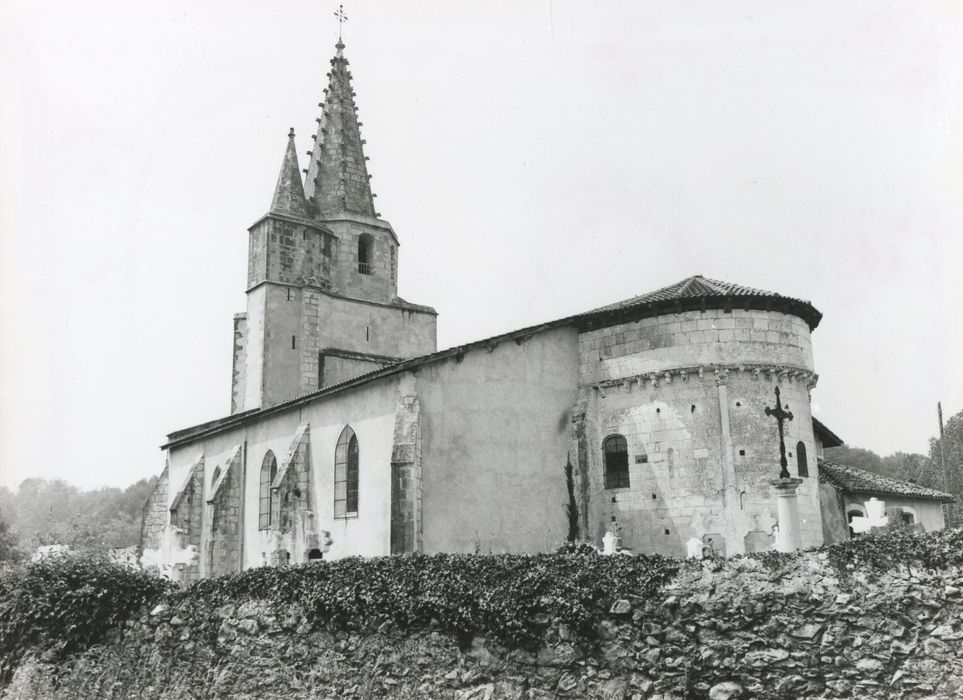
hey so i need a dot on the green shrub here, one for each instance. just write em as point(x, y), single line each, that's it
point(63, 604)
point(500, 596)
point(885, 551)
point(934, 550)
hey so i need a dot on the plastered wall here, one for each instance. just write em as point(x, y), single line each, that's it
point(369, 410)
point(928, 513)
point(494, 432)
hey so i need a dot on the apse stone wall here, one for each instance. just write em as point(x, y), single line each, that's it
point(689, 391)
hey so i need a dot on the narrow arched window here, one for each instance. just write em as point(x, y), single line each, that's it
point(215, 475)
point(802, 466)
point(269, 470)
point(365, 251)
point(346, 457)
point(616, 455)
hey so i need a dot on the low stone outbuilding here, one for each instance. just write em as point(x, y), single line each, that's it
point(845, 492)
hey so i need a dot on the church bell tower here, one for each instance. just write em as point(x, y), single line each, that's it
point(322, 289)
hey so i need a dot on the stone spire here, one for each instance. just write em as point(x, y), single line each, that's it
point(289, 194)
point(337, 176)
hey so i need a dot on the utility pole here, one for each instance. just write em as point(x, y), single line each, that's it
point(946, 482)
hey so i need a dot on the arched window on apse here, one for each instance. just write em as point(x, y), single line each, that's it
point(346, 458)
point(802, 466)
point(365, 253)
point(269, 470)
point(616, 455)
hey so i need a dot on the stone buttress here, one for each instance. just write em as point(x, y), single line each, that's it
point(406, 474)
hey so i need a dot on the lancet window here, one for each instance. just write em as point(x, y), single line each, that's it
point(269, 470)
point(346, 458)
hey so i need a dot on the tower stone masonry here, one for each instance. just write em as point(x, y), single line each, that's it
point(322, 290)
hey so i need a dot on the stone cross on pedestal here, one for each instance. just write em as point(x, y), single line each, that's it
point(781, 416)
point(788, 536)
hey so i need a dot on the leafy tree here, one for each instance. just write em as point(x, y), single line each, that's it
point(899, 465)
point(46, 512)
point(9, 551)
point(856, 457)
point(948, 454)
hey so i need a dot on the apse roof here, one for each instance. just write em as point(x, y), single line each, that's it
point(699, 293)
point(860, 481)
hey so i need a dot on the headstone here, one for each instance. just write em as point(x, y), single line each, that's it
point(694, 548)
point(610, 543)
point(757, 541)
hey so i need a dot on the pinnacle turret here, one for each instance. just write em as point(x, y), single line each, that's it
point(289, 193)
point(337, 176)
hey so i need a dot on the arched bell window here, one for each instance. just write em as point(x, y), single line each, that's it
point(802, 466)
point(346, 459)
point(615, 454)
point(365, 254)
point(269, 470)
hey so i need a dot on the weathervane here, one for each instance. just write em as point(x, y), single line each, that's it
point(780, 416)
point(342, 18)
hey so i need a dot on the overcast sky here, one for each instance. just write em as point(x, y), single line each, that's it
point(536, 159)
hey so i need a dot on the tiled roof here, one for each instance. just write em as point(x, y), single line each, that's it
point(697, 291)
point(860, 481)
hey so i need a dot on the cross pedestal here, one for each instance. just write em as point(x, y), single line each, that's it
point(788, 538)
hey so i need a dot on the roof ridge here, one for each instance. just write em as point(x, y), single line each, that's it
point(865, 481)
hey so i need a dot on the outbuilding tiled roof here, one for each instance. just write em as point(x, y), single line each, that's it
point(701, 292)
point(853, 480)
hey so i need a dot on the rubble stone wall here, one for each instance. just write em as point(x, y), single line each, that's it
point(721, 629)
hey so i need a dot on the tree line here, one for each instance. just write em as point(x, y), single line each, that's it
point(925, 470)
point(45, 512)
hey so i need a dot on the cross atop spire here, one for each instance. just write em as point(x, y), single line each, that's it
point(342, 18)
point(337, 176)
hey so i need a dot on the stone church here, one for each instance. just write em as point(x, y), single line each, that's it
point(351, 434)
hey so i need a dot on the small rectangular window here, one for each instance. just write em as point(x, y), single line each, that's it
point(294, 342)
